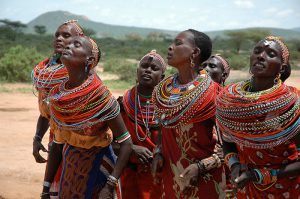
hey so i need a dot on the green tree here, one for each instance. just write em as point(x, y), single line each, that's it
point(17, 64)
point(40, 29)
point(133, 37)
point(255, 35)
point(15, 25)
point(89, 32)
point(236, 39)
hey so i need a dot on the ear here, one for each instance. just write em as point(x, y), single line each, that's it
point(224, 76)
point(283, 68)
point(90, 61)
point(196, 52)
point(162, 76)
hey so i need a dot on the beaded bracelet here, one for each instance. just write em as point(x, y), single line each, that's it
point(265, 176)
point(231, 159)
point(47, 184)
point(111, 180)
point(121, 138)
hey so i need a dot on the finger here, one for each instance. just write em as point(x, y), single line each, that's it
point(149, 153)
point(184, 173)
point(44, 149)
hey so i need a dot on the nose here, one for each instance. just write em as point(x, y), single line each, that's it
point(261, 56)
point(170, 48)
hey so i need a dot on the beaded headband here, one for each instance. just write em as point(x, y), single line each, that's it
point(284, 48)
point(154, 54)
point(95, 51)
point(78, 28)
point(224, 62)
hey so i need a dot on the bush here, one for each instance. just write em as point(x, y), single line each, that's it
point(238, 62)
point(17, 64)
point(125, 69)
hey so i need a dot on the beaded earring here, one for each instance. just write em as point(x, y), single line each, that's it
point(192, 62)
point(277, 78)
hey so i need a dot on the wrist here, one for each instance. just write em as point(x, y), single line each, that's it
point(37, 138)
point(157, 150)
point(231, 159)
point(112, 181)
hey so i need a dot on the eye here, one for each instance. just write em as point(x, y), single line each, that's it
point(77, 44)
point(154, 67)
point(213, 65)
point(272, 53)
point(56, 34)
point(67, 35)
point(257, 50)
point(177, 42)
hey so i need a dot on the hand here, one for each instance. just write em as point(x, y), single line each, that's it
point(156, 167)
point(244, 179)
point(189, 177)
point(37, 146)
point(45, 195)
point(143, 154)
point(107, 192)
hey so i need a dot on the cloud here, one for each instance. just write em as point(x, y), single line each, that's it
point(244, 3)
point(285, 13)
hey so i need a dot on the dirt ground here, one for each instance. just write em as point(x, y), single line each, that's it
point(20, 176)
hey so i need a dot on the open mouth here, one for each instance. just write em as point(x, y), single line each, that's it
point(259, 65)
point(146, 77)
point(169, 56)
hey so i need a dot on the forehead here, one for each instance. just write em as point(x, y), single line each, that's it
point(70, 28)
point(213, 60)
point(186, 36)
point(151, 60)
point(269, 44)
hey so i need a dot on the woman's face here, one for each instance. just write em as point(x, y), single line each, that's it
point(149, 72)
point(77, 52)
point(215, 69)
point(266, 59)
point(63, 36)
point(181, 50)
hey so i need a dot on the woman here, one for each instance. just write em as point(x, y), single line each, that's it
point(46, 75)
point(259, 121)
point(82, 113)
point(184, 106)
point(218, 68)
point(138, 116)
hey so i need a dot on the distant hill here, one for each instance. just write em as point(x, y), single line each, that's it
point(287, 34)
point(53, 19)
point(296, 29)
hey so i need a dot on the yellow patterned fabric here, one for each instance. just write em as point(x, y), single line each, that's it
point(101, 136)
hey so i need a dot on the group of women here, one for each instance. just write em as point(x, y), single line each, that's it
point(183, 136)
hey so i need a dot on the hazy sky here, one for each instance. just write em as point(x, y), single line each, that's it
point(202, 15)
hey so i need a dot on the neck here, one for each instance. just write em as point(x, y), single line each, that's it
point(260, 84)
point(75, 80)
point(185, 76)
point(145, 91)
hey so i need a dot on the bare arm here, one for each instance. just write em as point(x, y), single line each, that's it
point(41, 128)
point(118, 127)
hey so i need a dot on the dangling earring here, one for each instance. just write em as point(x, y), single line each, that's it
point(192, 62)
point(277, 79)
point(250, 72)
point(86, 67)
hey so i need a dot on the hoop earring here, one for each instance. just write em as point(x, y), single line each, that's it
point(277, 79)
point(192, 62)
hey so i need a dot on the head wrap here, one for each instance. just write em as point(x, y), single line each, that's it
point(284, 48)
point(224, 63)
point(95, 51)
point(74, 22)
point(154, 54)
